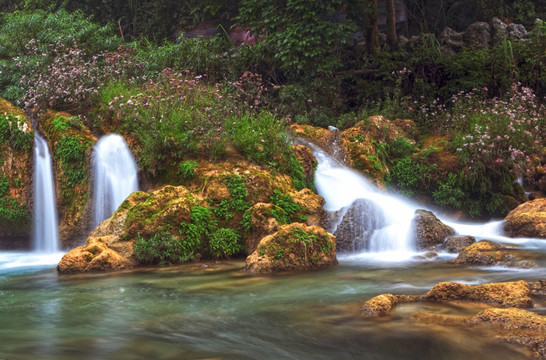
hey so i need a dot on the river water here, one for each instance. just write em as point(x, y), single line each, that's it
point(213, 310)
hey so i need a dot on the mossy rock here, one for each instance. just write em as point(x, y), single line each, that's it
point(319, 136)
point(71, 145)
point(527, 220)
point(294, 247)
point(16, 154)
point(487, 252)
point(429, 230)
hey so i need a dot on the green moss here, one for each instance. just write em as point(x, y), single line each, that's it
point(225, 209)
point(12, 133)
point(12, 213)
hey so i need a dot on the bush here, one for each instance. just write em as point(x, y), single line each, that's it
point(186, 169)
point(225, 243)
point(163, 248)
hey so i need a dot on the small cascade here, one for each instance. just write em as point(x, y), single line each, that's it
point(115, 175)
point(390, 230)
point(46, 228)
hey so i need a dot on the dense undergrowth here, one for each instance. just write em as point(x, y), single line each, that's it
point(205, 98)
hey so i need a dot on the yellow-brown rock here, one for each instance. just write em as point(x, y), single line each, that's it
point(94, 256)
point(487, 252)
point(527, 220)
point(379, 305)
point(507, 294)
point(16, 149)
point(308, 162)
point(294, 247)
point(319, 136)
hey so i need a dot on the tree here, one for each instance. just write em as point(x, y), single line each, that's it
point(391, 23)
point(301, 33)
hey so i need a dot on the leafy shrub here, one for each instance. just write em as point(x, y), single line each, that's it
point(163, 248)
point(400, 147)
point(225, 243)
point(237, 201)
point(186, 169)
point(287, 208)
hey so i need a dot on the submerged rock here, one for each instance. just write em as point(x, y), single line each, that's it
point(527, 220)
point(379, 305)
point(357, 226)
point(456, 244)
point(506, 294)
point(488, 252)
point(294, 247)
point(429, 230)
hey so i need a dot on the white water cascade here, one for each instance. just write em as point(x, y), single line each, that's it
point(115, 175)
point(46, 229)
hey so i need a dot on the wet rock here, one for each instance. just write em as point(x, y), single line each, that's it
point(379, 306)
point(456, 244)
point(538, 288)
point(507, 294)
point(294, 247)
point(488, 252)
point(94, 256)
point(16, 153)
point(516, 326)
point(527, 220)
point(451, 40)
point(429, 230)
point(477, 35)
point(263, 224)
point(312, 207)
point(357, 226)
point(319, 136)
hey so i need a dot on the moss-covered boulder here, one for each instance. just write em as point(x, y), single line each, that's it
point(294, 247)
point(487, 252)
point(16, 169)
point(71, 145)
point(527, 220)
point(324, 138)
point(380, 305)
point(429, 230)
point(366, 145)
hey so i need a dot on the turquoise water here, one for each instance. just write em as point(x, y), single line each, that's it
point(213, 310)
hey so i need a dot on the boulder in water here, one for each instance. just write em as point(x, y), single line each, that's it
point(357, 226)
point(456, 244)
point(488, 252)
point(294, 247)
point(94, 256)
point(429, 230)
point(380, 305)
point(527, 220)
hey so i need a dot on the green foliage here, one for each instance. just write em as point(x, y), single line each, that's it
point(400, 147)
point(12, 132)
point(163, 248)
point(186, 169)
point(302, 37)
point(238, 199)
point(411, 177)
point(449, 193)
point(12, 214)
point(225, 243)
point(287, 210)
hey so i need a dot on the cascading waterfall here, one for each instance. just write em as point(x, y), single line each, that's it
point(46, 229)
point(115, 175)
point(341, 186)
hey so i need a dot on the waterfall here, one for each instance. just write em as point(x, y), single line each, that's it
point(115, 175)
point(46, 229)
point(341, 186)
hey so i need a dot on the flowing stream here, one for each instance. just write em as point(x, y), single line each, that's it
point(213, 310)
point(115, 175)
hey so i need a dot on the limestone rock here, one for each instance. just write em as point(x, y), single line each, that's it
point(94, 256)
point(16, 153)
point(263, 224)
point(429, 230)
point(507, 294)
point(294, 247)
point(456, 244)
point(320, 136)
point(517, 32)
point(498, 31)
point(488, 252)
point(539, 288)
point(308, 161)
point(527, 220)
point(477, 35)
point(379, 305)
point(451, 40)
point(357, 226)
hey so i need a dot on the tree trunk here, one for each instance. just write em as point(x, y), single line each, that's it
point(372, 32)
point(391, 24)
